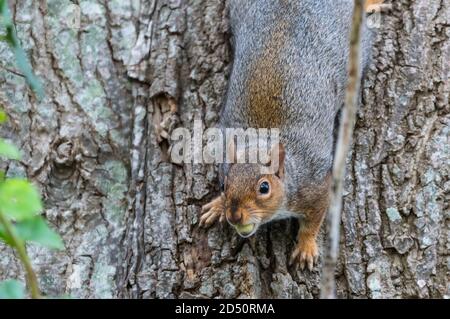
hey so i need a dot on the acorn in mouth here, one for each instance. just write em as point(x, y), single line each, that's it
point(245, 230)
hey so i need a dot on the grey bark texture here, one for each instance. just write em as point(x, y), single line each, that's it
point(98, 149)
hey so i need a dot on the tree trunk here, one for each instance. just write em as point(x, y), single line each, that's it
point(98, 148)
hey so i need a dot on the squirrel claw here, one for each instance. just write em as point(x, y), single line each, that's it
point(306, 255)
point(211, 212)
point(208, 218)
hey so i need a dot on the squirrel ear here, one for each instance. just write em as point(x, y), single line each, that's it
point(281, 157)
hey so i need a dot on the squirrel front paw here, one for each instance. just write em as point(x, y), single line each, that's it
point(305, 254)
point(212, 211)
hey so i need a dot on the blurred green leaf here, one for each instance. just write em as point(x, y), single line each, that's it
point(19, 53)
point(8, 150)
point(5, 18)
point(3, 117)
point(12, 289)
point(37, 230)
point(4, 237)
point(25, 67)
point(19, 200)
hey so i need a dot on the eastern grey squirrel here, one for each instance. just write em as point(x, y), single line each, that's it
point(289, 72)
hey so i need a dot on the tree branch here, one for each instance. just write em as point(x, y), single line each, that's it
point(348, 118)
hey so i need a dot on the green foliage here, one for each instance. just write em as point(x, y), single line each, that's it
point(4, 236)
point(21, 58)
point(19, 200)
point(36, 230)
point(11, 289)
point(3, 116)
point(20, 223)
point(8, 151)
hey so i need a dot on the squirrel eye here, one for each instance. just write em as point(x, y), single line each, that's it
point(264, 187)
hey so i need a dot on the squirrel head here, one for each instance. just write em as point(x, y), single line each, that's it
point(252, 196)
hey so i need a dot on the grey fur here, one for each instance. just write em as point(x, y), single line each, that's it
point(314, 62)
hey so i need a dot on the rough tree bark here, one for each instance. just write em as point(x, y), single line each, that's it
point(98, 150)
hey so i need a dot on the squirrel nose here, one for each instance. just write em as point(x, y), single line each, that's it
point(235, 217)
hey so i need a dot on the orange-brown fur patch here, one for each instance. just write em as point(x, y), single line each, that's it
point(313, 202)
point(266, 82)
